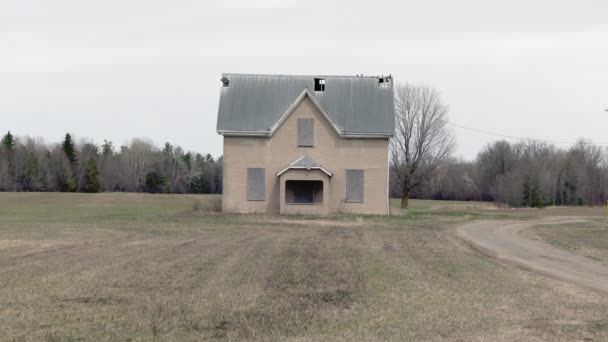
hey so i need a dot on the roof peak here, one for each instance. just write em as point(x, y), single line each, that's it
point(305, 163)
point(305, 160)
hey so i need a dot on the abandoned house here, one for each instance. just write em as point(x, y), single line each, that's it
point(306, 144)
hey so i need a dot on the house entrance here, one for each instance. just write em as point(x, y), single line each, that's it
point(303, 192)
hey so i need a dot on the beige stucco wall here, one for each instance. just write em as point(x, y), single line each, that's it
point(333, 152)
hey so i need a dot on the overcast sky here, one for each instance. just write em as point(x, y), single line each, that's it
point(118, 69)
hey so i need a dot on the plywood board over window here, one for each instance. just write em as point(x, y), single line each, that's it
point(256, 184)
point(354, 186)
point(306, 132)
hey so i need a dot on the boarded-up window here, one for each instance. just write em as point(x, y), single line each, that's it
point(306, 132)
point(354, 186)
point(256, 187)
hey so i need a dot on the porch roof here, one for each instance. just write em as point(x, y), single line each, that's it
point(305, 163)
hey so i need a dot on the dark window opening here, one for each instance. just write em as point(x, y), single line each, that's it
point(303, 192)
point(319, 84)
point(384, 80)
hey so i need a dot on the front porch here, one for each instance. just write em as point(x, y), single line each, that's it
point(304, 188)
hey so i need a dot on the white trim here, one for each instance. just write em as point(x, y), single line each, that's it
point(244, 133)
point(321, 168)
point(295, 104)
point(388, 179)
point(365, 135)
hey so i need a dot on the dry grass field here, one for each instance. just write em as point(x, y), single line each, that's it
point(149, 267)
point(589, 238)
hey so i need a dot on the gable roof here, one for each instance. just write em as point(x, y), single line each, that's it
point(305, 163)
point(256, 105)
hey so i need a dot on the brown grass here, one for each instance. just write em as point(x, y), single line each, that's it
point(207, 204)
point(145, 267)
point(588, 237)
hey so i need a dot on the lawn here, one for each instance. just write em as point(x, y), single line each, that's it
point(144, 267)
point(589, 238)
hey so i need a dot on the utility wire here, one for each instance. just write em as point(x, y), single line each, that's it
point(514, 137)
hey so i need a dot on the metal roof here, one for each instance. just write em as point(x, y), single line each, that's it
point(252, 104)
point(305, 163)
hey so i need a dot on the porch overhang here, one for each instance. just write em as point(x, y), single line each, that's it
point(305, 163)
point(320, 168)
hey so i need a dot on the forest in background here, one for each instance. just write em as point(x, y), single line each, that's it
point(524, 174)
point(31, 164)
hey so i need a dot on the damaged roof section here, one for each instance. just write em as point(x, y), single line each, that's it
point(358, 105)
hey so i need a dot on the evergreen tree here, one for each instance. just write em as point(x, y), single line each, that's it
point(526, 195)
point(91, 177)
point(107, 149)
point(65, 181)
point(30, 180)
point(201, 186)
point(9, 142)
point(68, 148)
point(536, 201)
point(155, 181)
point(531, 197)
point(8, 145)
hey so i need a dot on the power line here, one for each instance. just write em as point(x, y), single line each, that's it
point(514, 137)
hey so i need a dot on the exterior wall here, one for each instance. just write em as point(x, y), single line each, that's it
point(334, 153)
point(304, 209)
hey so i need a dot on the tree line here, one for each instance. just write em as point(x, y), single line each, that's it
point(524, 174)
point(30, 164)
point(528, 173)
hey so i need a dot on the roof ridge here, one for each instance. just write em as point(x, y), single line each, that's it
point(305, 75)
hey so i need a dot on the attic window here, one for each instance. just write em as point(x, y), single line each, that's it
point(319, 84)
point(384, 80)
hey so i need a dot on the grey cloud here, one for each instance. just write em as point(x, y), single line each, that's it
point(118, 69)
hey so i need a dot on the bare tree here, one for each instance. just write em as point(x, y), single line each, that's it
point(138, 158)
point(422, 141)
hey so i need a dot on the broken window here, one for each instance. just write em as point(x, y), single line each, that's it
point(256, 184)
point(319, 84)
point(306, 133)
point(354, 186)
point(384, 80)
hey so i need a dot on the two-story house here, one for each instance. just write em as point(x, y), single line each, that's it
point(306, 144)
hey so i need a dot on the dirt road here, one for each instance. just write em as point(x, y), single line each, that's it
point(501, 240)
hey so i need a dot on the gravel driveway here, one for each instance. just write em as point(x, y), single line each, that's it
point(501, 240)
